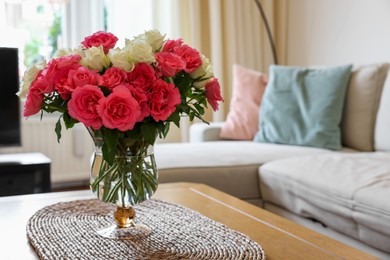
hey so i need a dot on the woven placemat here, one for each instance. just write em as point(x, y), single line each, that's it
point(66, 230)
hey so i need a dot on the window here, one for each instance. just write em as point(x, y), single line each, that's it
point(33, 26)
point(40, 27)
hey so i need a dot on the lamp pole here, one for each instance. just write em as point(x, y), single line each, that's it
point(270, 38)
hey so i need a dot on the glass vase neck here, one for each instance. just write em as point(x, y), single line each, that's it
point(124, 146)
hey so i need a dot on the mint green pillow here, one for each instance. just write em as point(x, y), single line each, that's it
point(303, 106)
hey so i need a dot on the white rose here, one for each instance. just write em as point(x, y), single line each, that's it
point(95, 59)
point(204, 71)
point(67, 52)
point(29, 76)
point(63, 52)
point(154, 38)
point(140, 51)
point(78, 50)
point(120, 59)
point(201, 83)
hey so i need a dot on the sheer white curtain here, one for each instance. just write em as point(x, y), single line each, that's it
point(80, 19)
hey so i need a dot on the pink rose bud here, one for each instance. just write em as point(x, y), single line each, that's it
point(106, 39)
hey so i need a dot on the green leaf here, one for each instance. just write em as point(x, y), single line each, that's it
point(165, 129)
point(199, 108)
point(69, 121)
point(53, 103)
point(183, 82)
point(175, 118)
point(191, 116)
point(149, 131)
point(183, 108)
point(58, 129)
point(111, 138)
point(108, 154)
point(135, 133)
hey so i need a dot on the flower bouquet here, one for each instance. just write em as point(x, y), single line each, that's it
point(126, 97)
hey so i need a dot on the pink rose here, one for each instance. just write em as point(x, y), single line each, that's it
point(41, 84)
point(213, 93)
point(63, 88)
point(106, 39)
point(169, 64)
point(113, 77)
point(82, 105)
point(142, 98)
point(68, 61)
point(34, 101)
point(77, 77)
point(143, 76)
point(163, 100)
point(171, 44)
point(119, 110)
point(190, 56)
point(58, 71)
point(49, 73)
point(81, 77)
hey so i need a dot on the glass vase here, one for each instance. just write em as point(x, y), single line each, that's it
point(130, 179)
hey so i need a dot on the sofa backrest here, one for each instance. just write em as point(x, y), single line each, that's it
point(382, 127)
point(361, 106)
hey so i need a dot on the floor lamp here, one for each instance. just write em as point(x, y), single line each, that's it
point(270, 38)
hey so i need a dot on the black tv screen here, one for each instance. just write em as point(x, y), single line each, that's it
point(10, 131)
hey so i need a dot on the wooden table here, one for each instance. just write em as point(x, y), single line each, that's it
point(280, 238)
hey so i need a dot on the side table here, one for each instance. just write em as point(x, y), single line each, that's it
point(24, 173)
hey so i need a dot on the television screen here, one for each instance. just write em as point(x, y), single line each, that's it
point(9, 102)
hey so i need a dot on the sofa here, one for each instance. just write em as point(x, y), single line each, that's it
point(343, 193)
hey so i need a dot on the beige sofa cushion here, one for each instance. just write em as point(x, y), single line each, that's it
point(230, 166)
point(382, 128)
point(348, 192)
point(361, 105)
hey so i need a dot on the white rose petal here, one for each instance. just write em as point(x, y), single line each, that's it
point(154, 38)
point(94, 58)
point(204, 71)
point(29, 76)
point(67, 52)
point(63, 52)
point(140, 51)
point(201, 83)
point(120, 59)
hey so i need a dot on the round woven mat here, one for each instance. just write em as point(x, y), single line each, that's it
point(67, 231)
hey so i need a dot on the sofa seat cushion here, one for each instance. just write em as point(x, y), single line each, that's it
point(230, 166)
point(347, 192)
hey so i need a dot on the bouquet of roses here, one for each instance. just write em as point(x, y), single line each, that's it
point(134, 91)
point(126, 97)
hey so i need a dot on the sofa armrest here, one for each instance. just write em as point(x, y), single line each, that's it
point(201, 132)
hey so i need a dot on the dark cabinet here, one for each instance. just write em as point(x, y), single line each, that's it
point(24, 174)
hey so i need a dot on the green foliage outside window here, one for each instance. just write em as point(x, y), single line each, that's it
point(33, 47)
point(54, 32)
point(31, 51)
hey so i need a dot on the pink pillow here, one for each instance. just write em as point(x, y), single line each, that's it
point(242, 122)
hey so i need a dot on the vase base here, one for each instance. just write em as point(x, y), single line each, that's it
point(134, 232)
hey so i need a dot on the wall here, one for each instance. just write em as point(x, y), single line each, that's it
point(334, 32)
